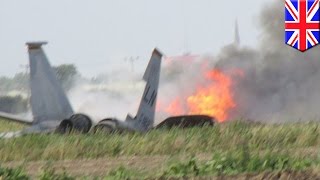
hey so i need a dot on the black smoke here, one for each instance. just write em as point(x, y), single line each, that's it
point(280, 83)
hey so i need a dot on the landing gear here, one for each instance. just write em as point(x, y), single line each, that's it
point(65, 127)
point(106, 126)
point(80, 123)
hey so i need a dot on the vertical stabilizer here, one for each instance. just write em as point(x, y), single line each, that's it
point(48, 100)
point(145, 116)
point(236, 34)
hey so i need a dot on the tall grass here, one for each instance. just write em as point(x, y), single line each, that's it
point(9, 126)
point(293, 138)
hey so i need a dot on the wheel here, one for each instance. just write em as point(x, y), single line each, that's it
point(105, 126)
point(81, 123)
point(64, 127)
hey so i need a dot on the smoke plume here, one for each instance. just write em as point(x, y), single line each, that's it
point(280, 83)
point(276, 83)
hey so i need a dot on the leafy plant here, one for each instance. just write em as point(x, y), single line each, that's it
point(120, 173)
point(233, 163)
point(190, 168)
point(13, 174)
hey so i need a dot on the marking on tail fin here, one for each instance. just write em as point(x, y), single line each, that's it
point(150, 100)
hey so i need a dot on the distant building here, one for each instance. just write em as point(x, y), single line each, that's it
point(236, 34)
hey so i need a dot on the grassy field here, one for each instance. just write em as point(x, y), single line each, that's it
point(232, 148)
point(8, 126)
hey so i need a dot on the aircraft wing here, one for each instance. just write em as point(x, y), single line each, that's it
point(15, 118)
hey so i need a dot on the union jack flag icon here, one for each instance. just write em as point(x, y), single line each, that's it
point(302, 25)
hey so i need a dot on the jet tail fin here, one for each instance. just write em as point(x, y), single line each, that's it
point(145, 116)
point(48, 100)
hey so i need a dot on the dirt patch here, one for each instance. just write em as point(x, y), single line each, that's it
point(101, 167)
point(93, 167)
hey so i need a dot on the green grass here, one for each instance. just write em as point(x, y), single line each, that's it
point(235, 147)
point(228, 163)
point(293, 138)
point(237, 162)
point(49, 173)
point(13, 174)
point(9, 126)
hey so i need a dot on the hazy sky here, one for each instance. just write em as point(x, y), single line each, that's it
point(97, 35)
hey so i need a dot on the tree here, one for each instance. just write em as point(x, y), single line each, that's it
point(21, 81)
point(66, 74)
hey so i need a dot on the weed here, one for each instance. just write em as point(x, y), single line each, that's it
point(49, 173)
point(120, 173)
point(13, 174)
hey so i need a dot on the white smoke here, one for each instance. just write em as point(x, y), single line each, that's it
point(115, 97)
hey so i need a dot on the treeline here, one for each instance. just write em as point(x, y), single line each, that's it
point(65, 74)
point(20, 81)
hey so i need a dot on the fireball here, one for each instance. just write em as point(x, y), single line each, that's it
point(215, 99)
point(175, 107)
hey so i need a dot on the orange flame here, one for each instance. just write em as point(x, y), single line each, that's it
point(175, 107)
point(214, 99)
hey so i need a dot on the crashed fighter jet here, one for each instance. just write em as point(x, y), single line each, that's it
point(51, 109)
point(144, 119)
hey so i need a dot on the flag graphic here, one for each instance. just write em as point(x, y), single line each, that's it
point(302, 25)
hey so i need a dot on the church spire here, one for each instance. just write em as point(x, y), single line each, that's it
point(236, 34)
